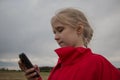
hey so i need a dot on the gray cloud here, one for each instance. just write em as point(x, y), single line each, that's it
point(25, 27)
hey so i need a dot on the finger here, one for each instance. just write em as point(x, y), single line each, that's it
point(37, 69)
point(29, 71)
point(21, 65)
point(31, 76)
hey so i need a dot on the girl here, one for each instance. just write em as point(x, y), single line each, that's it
point(76, 61)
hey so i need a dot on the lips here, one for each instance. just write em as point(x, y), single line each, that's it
point(60, 43)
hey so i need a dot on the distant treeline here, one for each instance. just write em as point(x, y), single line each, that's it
point(42, 69)
point(45, 69)
point(6, 69)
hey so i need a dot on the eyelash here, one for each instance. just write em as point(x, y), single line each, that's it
point(60, 29)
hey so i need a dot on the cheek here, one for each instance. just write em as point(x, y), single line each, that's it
point(71, 39)
point(69, 36)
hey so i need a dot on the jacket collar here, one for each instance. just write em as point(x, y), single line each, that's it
point(68, 55)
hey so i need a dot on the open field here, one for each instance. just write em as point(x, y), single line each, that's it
point(13, 75)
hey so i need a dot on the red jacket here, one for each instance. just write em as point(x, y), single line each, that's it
point(81, 64)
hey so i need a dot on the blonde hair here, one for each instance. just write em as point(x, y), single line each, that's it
point(72, 17)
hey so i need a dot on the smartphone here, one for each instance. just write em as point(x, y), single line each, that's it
point(24, 59)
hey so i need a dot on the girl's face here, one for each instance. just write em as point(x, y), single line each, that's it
point(66, 35)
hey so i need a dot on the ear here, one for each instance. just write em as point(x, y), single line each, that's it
point(80, 28)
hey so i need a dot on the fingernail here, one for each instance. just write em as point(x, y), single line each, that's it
point(35, 73)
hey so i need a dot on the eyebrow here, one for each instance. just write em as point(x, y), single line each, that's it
point(58, 27)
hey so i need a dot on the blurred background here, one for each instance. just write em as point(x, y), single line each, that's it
point(25, 27)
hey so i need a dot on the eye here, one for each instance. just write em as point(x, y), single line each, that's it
point(54, 32)
point(60, 29)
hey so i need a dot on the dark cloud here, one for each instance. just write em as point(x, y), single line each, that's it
point(25, 27)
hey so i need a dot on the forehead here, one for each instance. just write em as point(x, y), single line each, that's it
point(55, 22)
point(61, 20)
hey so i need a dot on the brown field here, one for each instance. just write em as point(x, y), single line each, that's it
point(13, 75)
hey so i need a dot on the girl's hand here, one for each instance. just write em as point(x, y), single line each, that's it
point(30, 73)
point(22, 66)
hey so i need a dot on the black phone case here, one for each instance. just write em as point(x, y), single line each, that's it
point(27, 62)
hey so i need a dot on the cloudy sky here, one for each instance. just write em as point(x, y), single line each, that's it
point(25, 27)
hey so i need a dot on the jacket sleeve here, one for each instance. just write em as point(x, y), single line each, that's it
point(106, 70)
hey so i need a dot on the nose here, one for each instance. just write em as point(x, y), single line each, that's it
point(56, 37)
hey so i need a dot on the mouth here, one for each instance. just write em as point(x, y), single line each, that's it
point(61, 43)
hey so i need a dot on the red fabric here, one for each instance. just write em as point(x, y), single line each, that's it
point(81, 64)
point(39, 78)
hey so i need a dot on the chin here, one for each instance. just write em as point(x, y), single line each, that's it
point(64, 46)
